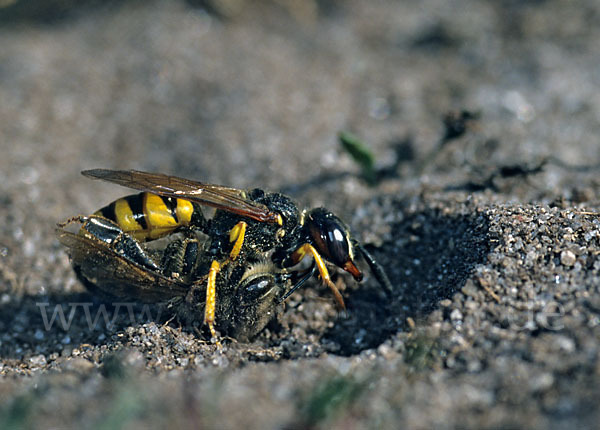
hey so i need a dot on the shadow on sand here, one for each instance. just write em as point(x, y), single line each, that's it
point(430, 257)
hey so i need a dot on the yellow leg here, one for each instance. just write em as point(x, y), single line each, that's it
point(211, 298)
point(236, 235)
point(308, 248)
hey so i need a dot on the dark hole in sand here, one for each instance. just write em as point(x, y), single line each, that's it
point(429, 258)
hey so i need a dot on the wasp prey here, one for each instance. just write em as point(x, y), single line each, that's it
point(158, 245)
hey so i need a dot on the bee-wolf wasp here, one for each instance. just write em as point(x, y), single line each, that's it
point(158, 245)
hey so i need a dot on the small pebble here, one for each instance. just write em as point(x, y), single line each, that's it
point(38, 360)
point(567, 258)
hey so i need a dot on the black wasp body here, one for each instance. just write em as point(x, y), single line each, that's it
point(158, 245)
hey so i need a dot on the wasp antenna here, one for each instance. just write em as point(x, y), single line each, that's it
point(376, 268)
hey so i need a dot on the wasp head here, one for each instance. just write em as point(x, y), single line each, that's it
point(331, 238)
point(256, 301)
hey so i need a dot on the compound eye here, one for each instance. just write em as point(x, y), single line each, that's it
point(256, 289)
point(330, 238)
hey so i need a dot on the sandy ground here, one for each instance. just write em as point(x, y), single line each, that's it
point(490, 236)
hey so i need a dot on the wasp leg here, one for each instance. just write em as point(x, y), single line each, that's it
point(237, 234)
point(116, 239)
point(211, 298)
point(308, 248)
point(77, 218)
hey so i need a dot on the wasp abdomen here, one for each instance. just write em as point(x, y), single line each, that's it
point(148, 216)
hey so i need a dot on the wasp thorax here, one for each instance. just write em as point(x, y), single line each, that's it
point(332, 239)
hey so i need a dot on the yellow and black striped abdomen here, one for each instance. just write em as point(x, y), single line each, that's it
point(148, 216)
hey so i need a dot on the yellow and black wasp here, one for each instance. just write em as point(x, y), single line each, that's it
point(243, 255)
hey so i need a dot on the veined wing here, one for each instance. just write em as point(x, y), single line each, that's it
point(218, 196)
